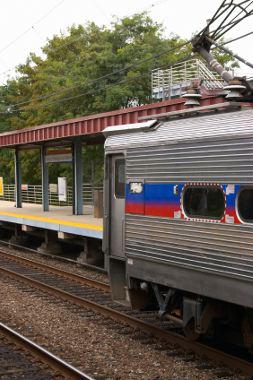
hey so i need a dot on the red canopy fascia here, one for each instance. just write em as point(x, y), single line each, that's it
point(90, 127)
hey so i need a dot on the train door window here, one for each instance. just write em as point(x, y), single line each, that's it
point(245, 205)
point(120, 178)
point(205, 202)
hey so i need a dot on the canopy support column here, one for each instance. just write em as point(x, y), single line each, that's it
point(18, 178)
point(78, 178)
point(45, 194)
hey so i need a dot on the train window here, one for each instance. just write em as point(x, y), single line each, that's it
point(120, 178)
point(204, 202)
point(245, 205)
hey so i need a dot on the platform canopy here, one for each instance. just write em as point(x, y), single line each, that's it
point(88, 128)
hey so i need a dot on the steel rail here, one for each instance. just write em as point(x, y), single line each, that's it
point(47, 357)
point(48, 268)
point(57, 257)
point(171, 337)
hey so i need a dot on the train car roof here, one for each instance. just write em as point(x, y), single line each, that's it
point(208, 126)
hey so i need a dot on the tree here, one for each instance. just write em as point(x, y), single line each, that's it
point(82, 55)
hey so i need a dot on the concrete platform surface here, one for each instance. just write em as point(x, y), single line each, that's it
point(57, 218)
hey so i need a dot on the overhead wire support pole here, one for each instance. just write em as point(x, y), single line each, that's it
point(203, 41)
point(229, 52)
point(215, 64)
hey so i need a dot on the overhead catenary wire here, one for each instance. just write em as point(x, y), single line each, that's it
point(148, 7)
point(101, 10)
point(224, 29)
point(130, 15)
point(105, 76)
point(230, 52)
point(215, 17)
point(3, 62)
point(212, 20)
point(38, 33)
point(72, 41)
point(237, 38)
point(227, 7)
point(76, 39)
point(99, 89)
point(16, 39)
point(116, 72)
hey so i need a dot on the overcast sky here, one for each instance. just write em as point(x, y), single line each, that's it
point(26, 25)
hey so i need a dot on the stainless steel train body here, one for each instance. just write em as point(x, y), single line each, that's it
point(197, 264)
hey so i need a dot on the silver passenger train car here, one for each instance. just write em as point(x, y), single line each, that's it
point(178, 214)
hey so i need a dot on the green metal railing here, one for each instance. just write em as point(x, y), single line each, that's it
point(33, 194)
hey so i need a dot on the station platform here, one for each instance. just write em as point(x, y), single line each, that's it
point(59, 219)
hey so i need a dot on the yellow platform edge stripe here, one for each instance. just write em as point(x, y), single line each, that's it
point(57, 221)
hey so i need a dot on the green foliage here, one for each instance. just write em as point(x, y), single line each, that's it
point(93, 155)
point(84, 54)
point(81, 55)
point(31, 167)
point(7, 166)
point(6, 92)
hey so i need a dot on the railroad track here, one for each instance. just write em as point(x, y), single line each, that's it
point(50, 255)
point(95, 297)
point(24, 357)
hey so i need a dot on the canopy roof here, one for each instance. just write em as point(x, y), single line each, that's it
point(89, 128)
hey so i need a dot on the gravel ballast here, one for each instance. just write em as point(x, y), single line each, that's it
point(103, 353)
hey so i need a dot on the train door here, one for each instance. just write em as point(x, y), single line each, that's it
point(117, 263)
point(117, 206)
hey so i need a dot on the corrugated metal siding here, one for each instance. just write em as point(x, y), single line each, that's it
point(224, 249)
point(220, 162)
point(220, 247)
